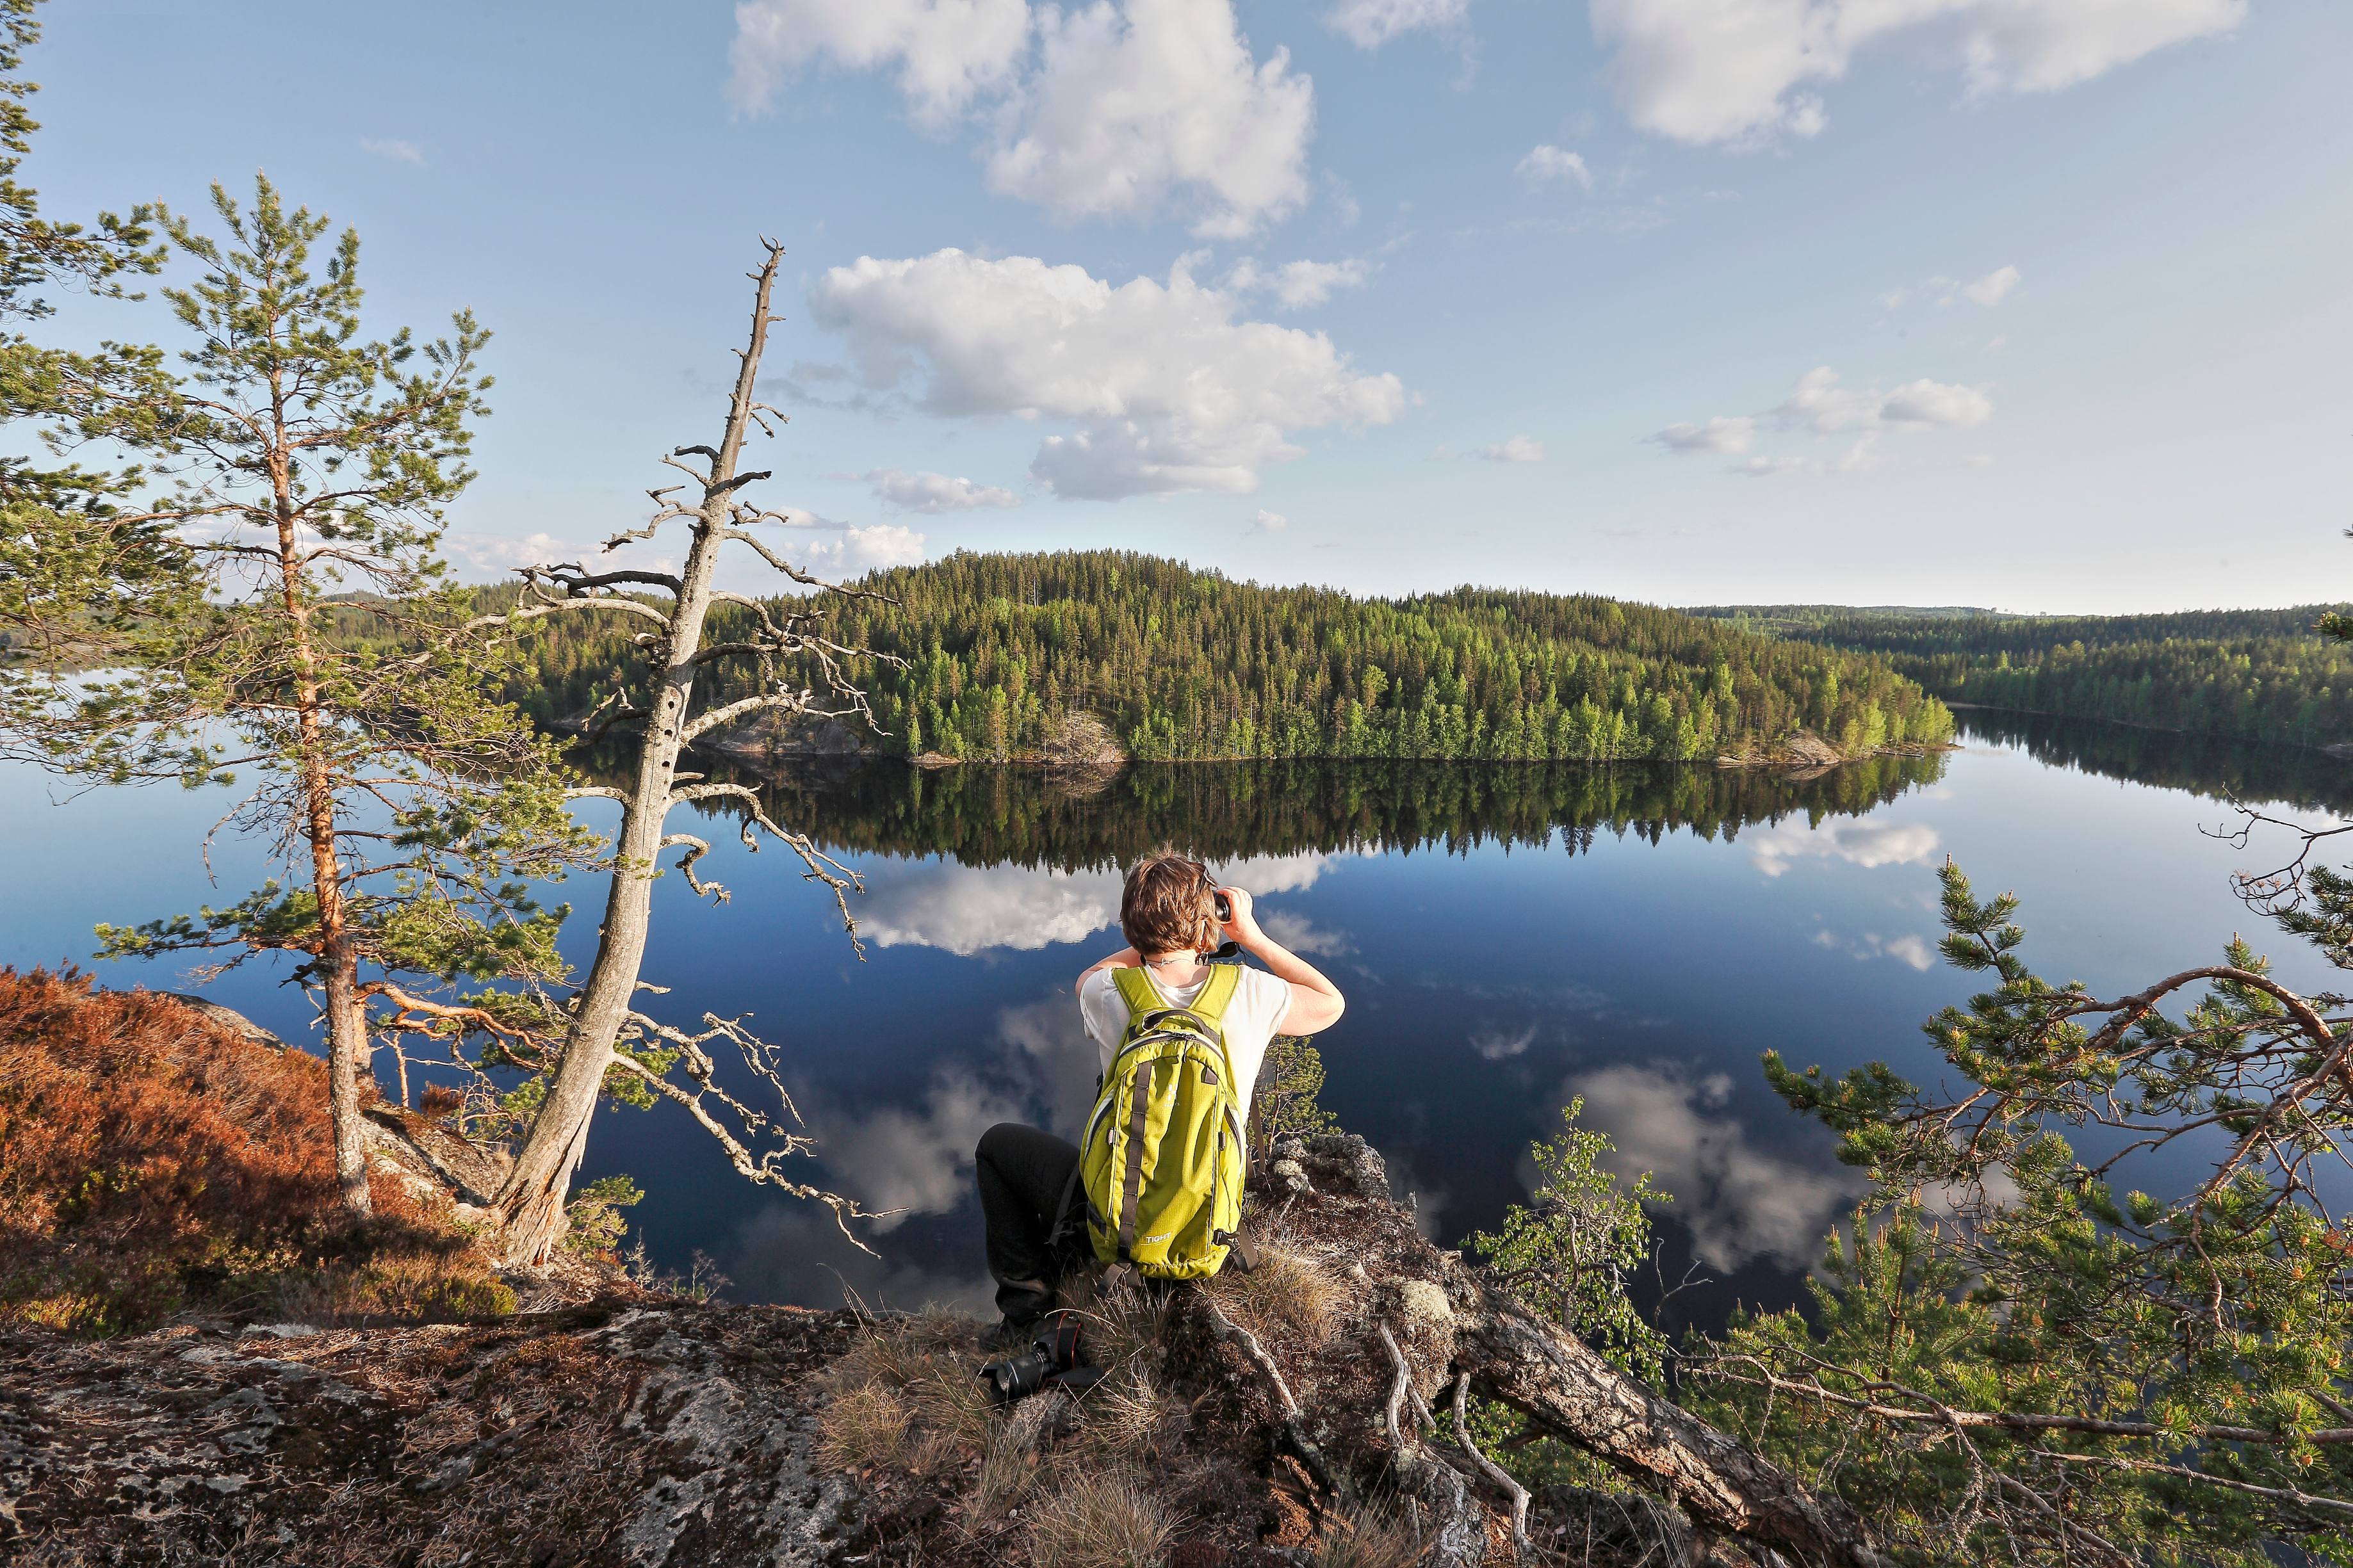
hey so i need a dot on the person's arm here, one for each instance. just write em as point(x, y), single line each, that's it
point(1315, 1002)
point(1125, 958)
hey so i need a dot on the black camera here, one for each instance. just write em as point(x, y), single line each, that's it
point(1225, 908)
point(1052, 1357)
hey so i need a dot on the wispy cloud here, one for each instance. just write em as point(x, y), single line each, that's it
point(1729, 435)
point(399, 152)
point(1993, 288)
point(1547, 164)
point(1912, 950)
point(1501, 1045)
point(1369, 24)
point(1518, 449)
point(932, 494)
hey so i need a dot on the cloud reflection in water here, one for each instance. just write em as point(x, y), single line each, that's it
point(966, 910)
point(1861, 843)
point(1736, 1200)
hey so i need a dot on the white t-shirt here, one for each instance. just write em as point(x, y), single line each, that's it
point(1252, 1019)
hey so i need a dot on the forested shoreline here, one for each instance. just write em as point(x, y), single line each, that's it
point(2264, 675)
point(1181, 664)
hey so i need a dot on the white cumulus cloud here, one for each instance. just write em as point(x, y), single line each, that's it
point(947, 52)
point(1129, 104)
point(1549, 163)
point(1518, 449)
point(932, 493)
point(855, 552)
point(1726, 435)
point(1268, 523)
point(1176, 393)
point(1733, 71)
point(1095, 110)
point(1369, 24)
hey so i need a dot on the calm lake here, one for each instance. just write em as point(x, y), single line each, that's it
point(1509, 938)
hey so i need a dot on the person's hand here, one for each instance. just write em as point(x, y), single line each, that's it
point(1243, 926)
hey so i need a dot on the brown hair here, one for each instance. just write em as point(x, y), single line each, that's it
point(1169, 906)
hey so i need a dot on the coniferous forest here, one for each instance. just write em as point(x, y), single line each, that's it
point(1181, 664)
point(2261, 675)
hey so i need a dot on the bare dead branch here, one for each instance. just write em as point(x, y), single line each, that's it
point(686, 864)
point(1493, 1471)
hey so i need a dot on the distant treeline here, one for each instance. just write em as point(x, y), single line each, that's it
point(1182, 663)
point(2261, 675)
point(1027, 816)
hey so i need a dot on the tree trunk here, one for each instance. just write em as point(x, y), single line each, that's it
point(347, 1041)
point(531, 1203)
point(347, 1071)
point(1567, 1387)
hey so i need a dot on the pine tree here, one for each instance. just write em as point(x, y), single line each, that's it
point(326, 654)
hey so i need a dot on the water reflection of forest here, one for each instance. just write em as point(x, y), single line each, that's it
point(985, 815)
point(2208, 766)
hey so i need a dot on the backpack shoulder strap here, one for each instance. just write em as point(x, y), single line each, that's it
point(1136, 990)
point(1225, 979)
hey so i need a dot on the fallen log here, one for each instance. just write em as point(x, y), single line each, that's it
point(1568, 1389)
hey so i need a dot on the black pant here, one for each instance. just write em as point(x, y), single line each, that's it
point(1023, 1173)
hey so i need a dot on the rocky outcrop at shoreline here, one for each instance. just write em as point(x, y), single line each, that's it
point(1806, 750)
point(1265, 1416)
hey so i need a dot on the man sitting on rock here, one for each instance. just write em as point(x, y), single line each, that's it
point(1169, 913)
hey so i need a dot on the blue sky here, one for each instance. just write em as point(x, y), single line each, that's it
point(2041, 304)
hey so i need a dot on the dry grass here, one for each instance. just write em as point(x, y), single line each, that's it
point(929, 1365)
point(864, 1426)
point(1288, 1297)
point(883, 1356)
point(1122, 1417)
point(1008, 1469)
point(1371, 1538)
point(1099, 1519)
point(152, 1161)
point(1117, 1326)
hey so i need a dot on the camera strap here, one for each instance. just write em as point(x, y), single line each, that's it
point(1066, 1219)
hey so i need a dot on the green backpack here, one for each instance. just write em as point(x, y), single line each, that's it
point(1162, 1157)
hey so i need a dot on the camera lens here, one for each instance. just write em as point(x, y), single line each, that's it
point(1009, 1380)
point(1225, 907)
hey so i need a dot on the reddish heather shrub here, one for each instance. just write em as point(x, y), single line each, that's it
point(152, 1161)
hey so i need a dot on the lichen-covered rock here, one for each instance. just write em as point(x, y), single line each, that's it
point(647, 1435)
point(1345, 1164)
point(1420, 1300)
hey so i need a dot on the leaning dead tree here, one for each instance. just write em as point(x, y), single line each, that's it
point(783, 634)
